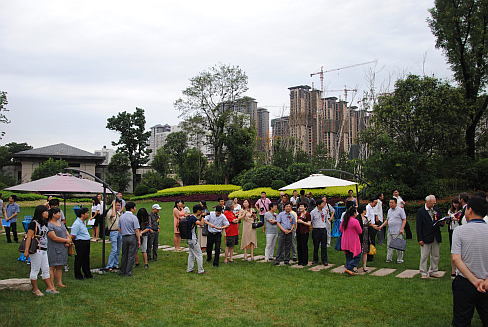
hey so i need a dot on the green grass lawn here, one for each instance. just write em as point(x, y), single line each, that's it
point(240, 294)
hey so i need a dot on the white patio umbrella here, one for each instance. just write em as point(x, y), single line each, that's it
point(317, 181)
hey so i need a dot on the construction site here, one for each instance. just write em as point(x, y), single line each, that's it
point(315, 119)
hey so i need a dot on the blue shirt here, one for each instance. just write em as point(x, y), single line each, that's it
point(12, 208)
point(128, 223)
point(219, 221)
point(78, 229)
point(284, 220)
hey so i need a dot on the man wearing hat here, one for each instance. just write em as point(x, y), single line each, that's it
point(153, 241)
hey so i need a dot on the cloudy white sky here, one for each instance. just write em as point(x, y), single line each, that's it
point(69, 65)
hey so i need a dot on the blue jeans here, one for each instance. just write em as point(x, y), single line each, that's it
point(116, 242)
point(351, 261)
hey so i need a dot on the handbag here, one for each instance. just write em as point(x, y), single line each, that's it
point(398, 244)
point(71, 249)
point(372, 249)
point(205, 230)
point(257, 224)
point(34, 244)
point(338, 244)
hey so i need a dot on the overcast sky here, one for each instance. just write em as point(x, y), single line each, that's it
point(69, 65)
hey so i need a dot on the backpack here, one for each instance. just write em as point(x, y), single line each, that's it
point(183, 227)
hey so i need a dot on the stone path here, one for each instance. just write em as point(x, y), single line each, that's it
point(373, 271)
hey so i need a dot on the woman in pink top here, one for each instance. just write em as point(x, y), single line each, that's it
point(178, 213)
point(350, 244)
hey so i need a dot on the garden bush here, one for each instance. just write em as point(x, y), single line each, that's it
point(277, 184)
point(202, 189)
point(169, 182)
point(249, 186)
point(23, 196)
point(155, 196)
point(141, 189)
point(329, 192)
point(297, 171)
point(262, 176)
point(152, 190)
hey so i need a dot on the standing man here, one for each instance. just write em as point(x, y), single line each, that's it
point(429, 237)
point(281, 197)
point(329, 213)
point(271, 232)
point(195, 252)
point(10, 213)
point(1, 212)
point(319, 232)
point(153, 241)
point(216, 222)
point(81, 239)
point(311, 202)
point(370, 214)
point(463, 200)
point(378, 210)
point(395, 220)
point(131, 238)
point(262, 205)
point(294, 201)
point(122, 203)
point(113, 217)
point(469, 253)
point(401, 204)
point(286, 223)
point(281, 205)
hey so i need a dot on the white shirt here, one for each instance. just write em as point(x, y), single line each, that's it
point(370, 213)
point(378, 210)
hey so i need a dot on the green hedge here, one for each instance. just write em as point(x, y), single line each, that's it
point(336, 191)
point(201, 189)
point(155, 195)
point(23, 196)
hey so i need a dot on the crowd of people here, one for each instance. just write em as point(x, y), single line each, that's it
point(287, 224)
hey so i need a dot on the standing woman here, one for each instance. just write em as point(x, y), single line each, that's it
point(304, 221)
point(237, 207)
point(145, 223)
point(178, 213)
point(58, 240)
point(364, 236)
point(38, 228)
point(249, 237)
point(352, 198)
point(455, 213)
point(95, 214)
point(202, 240)
point(350, 244)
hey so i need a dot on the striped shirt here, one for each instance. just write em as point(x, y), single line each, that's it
point(471, 243)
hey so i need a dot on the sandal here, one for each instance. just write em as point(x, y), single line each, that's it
point(52, 291)
point(38, 293)
point(365, 270)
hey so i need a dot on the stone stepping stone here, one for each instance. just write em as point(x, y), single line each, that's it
point(321, 267)
point(258, 257)
point(361, 272)
point(16, 284)
point(298, 266)
point(440, 273)
point(408, 273)
point(169, 249)
point(163, 246)
point(239, 256)
point(383, 272)
point(340, 270)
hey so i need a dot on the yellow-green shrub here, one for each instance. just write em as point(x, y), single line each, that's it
point(202, 189)
point(335, 191)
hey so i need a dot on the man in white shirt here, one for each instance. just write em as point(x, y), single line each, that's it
point(370, 214)
point(378, 210)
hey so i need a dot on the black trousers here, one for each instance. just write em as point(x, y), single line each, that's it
point(319, 238)
point(284, 247)
point(372, 240)
point(214, 238)
point(82, 259)
point(13, 227)
point(152, 244)
point(302, 248)
point(465, 298)
point(129, 250)
point(408, 232)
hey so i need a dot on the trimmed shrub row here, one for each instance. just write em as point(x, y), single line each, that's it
point(339, 192)
point(201, 189)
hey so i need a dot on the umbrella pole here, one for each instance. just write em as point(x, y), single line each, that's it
point(64, 198)
point(103, 225)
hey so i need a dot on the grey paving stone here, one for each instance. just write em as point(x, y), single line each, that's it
point(383, 272)
point(408, 273)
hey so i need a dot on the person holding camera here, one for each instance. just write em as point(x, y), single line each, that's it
point(249, 238)
point(262, 205)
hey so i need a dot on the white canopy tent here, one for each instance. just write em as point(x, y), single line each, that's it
point(317, 181)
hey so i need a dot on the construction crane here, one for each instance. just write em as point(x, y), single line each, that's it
point(321, 72)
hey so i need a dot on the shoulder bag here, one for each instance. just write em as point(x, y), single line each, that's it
point(398, 244)
point(34, 245)
point(107, 230)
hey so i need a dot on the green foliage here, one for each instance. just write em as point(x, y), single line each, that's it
point(160, 162)
point(461, 31)
point(168, 182)
point(249, 186)
point(261, 176)
point(254, 194)
point(8, 179)
point(3, 108)
point(23, 196)
point(202, 189)
point(175, 146)
point(13, 147)
point(481, 182)
point(320, 158)
point(155, 195)
point(277, 184)
point(152, 190)
point(141, 189)
point(297, 171)
point(208, 102)
point(119, 175)
point(193, 166)
point(287, 151)
point(49, 168)
point(4, 156)
point(133, 141)
point(153, 180)
point(213, 175)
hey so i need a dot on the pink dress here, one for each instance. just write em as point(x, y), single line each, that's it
point(180, 214)
point(350, 239)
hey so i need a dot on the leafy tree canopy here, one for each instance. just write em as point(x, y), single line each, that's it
point(160, 162)
point(3, 108)
point(119, 176)
point(49, 168)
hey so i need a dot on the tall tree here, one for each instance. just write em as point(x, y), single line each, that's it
point(14, 147)
point(133, 141)
point(49, 168)
point(461, 29)
point(210, 97)
point(160, 162)
point(118, 172)
point(192, 167)
point(3, 108)
point(176, 145)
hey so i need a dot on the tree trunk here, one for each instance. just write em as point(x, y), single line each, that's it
point(470, 140)
point(134, 179)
